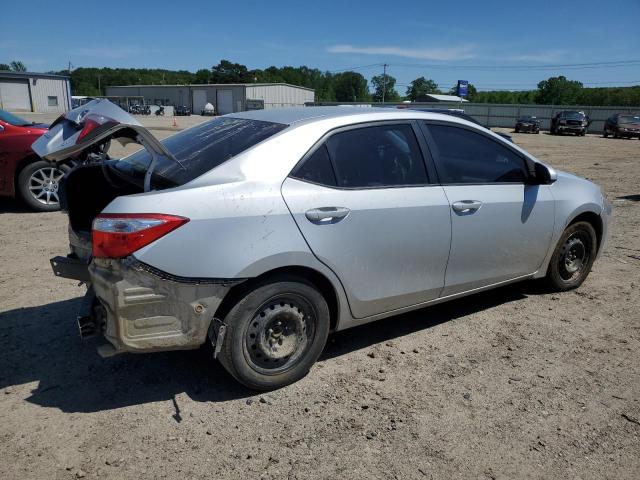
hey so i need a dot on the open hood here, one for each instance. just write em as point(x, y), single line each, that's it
point(92, 124)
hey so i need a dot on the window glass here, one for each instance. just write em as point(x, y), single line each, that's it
point(469, 157)
point(382, 156)
point(317, 168)
point(200, 148)
point(53, 101)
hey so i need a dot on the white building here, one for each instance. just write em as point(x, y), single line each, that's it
point(226, 98)
point(34, 92)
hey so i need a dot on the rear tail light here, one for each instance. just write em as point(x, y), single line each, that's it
point(118, 235)
point(89, 124)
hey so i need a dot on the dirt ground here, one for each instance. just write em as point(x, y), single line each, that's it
point(513, 383)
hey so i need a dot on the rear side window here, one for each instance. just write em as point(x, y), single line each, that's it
point(468, 157)
point(202, 148)
point(317, 168)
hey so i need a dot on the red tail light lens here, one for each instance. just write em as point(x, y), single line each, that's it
point(118, 235)
point(89, 124)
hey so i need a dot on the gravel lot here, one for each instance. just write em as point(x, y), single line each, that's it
point(513, 383)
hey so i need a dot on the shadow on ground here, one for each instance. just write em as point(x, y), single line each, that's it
point(635, 197)
point(13, 205)
point(41, 344)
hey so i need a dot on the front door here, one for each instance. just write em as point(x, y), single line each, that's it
point(501, 225)
point(363, 203)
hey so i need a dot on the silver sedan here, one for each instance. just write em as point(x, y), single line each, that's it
point(264, 231)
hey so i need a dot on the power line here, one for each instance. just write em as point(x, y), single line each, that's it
point(572, 66)
point(356, 68)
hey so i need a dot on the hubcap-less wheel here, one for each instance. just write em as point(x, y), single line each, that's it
point(574, 256)
point(279, 334)
point(43, 185)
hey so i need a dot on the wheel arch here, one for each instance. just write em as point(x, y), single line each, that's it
point(594, 220)
point(27, 160)
point(318, 279)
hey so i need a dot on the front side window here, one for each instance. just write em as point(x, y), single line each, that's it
point(380, 156)
point(464, 156)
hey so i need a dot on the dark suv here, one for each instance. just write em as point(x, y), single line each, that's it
point(570, 121)
point(622, 125)
point(527, 123)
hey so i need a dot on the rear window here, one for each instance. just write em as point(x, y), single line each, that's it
point(201, 148)
point(629, 119)
point(572, 115)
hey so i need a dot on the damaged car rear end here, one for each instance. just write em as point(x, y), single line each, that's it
point(124, 232)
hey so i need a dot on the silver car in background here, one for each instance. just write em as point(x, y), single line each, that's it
point(264, 231)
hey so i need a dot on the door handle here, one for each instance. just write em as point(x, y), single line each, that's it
point(466, 206)
point(326, 215)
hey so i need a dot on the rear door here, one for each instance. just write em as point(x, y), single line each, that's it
point(225, 101)
point(501, 225)
point(363, 201)
point(14, 95)
point(199, 101)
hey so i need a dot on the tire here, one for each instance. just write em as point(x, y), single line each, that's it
point(605, 134)
point(38, 185)
point(517, 130)
point(573, 257)
point(256, 349)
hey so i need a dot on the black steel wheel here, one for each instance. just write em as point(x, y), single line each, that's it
point(573, 257)
point(279, 333)
point(275, 333)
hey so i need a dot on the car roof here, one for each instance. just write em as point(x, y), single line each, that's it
point(297, 115)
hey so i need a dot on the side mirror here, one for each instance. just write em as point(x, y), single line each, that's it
point(543, 175)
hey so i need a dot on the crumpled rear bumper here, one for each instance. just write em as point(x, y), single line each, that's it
point(141, 309)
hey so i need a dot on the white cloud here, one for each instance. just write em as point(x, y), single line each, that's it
point(446, 53)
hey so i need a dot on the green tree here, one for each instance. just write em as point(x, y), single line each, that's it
point(202, 76)
point(228, 72)
point(420, 87)
point(18, 66)
point(558, 91)
point(5, 66)
point(384, 84)
point(350, 87)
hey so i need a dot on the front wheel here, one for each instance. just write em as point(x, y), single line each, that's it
point(38, 185)
point(275, 333)
point(573, 257)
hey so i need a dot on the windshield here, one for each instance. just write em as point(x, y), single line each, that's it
point(629, 119)
point(13, 120)
point(572, 115)
point(527, 118)
point(200, 149)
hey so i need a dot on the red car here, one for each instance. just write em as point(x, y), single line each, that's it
point(21, 170)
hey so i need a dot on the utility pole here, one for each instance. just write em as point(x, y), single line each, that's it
point(384, 80)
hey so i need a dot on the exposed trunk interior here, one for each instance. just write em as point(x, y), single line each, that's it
point(87, 190)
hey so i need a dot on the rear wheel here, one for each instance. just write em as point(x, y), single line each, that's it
point(573, 257)
point(38, 185)
point(275, 333)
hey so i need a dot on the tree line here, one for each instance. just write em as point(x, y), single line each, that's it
point(347, 86)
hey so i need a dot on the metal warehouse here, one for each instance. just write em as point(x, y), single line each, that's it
point(34, 92)
point(226, 98)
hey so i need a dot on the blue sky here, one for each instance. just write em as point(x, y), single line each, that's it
point(442, 40)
